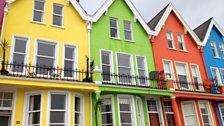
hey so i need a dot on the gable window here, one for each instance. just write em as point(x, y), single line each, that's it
point(38, 11)
point(214, 49)
point(58, 15)
point(58, 109)
point(124, 68)
point(168, 69)
point(169, 112)
point(222, 49)
point(216, 76)
point(34, 109)
point(181, 42)
point(170, 39)
point(106, 58)
point(182, 75)
point(46, 57)
point(107, 111)
point(205, 114)
point(128, 30)
point(142, 74)
point(70, 64)
point(114, 28)
point(19, 54)
point(190, 115)
point(153, 112)
point(79, 111)
point(126, 111)
point(196, 76)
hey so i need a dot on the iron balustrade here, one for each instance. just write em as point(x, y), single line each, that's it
point(133, 81)
point(45, 72)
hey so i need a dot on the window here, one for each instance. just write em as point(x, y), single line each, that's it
point(46, 57)
point(169, 112)
point(169, 37)
point(215, 74)
point(107, 111)
point(58, 15)
point(182, 75)
point(205, 114)
point(124, 68)
point(6, 100)
point(221, 110)
point(222, 49)
point(34, 110)
point(222, 72)
point(140, 112)
point(38, 11)
point(106, 59)
point(79, 111)
point(70, 64)
point(19, 54)
point(128, 30)
point(168, 69)
point(196, 77)
point(114, 28)
point(153, 112)
point(142, 74)
point(181, 42)
point(214, 49)
point(189, 112)
point(58, 109)
point(126, 111)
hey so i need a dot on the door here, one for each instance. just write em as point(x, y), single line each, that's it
point(4, 121)
point(154, 119)
point(153, 112)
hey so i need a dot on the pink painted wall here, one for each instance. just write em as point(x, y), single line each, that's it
point(2, 4)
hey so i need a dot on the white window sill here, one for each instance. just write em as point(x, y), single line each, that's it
point(36, 22)
point(217, 57)
point(62, 27)
point(184, 51)
point(129, 40)
point(116, 38)
point(174, 49)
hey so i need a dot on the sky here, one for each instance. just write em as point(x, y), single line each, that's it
point(195, 12)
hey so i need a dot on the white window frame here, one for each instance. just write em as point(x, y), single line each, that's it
point(67, 110)
point(165, 112)
point(82, 109)
point(131, 66)
point(187, 73)
point(171, 69)
point(218, 74)
point(140, 113)
point(222, 74)
point(75, 60)
point(222, 49)
point(26, 107)
point(210, 114)
point(43, 16)
point(201, 88)
point(182, 41)
point(127, 30)
point(196, 112)
point(111, 63)
point(14, 37)
point(62, 16)
point(118, 33)
point(146, 68)
point(173, 42)
point(220, 107)
point(112, 107)
point(132, 107)
point(214, 47)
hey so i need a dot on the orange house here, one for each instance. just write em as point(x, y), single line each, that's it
point(178, 52)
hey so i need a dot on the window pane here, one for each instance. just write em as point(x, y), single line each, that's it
point(128, 35)
point(77, 104)
point(47, 62)
point(37, 16)
point(34, 103)
point(20, 45)
point(222, 72)
point(124, 71)
point(7, 103)
point(8, 95)
point(46, 49)
point(125, 107)
point(77, 118)
point(34, 118)
point(58, 9)
point(39, 5)
point(181, 70)
point(57, 117)
point(127, 25)
point(113, 23)
point(105, 57)
point(69, 53)
point(141, 73)
point(18, 59)
point(107, 118)
point(106, 108)
point(125, 118)
point(123, 60)
point(58, 101)
point(113, 32)
point(106, 69)
point(69, 65)
point(57, 20)
point(140, 62)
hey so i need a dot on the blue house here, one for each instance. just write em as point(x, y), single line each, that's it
point(212, 36)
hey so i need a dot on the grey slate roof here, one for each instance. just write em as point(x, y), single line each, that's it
point(154, 21)
point(202, 29)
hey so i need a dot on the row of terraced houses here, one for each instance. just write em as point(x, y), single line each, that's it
point(61, 66)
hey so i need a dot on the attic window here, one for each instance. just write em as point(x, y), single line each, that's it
point(38, 11)
point(114, 28)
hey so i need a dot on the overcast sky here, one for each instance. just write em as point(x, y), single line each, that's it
point(194, 12)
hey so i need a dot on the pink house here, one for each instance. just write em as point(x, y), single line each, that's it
point(2, 5)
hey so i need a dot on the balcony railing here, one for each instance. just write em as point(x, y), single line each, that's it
point(133, 81)
point(44, 72)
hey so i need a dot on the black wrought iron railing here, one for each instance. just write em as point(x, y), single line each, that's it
point(45, 72)
point(133, 81)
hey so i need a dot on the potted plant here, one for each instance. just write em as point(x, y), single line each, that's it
point(4, 46)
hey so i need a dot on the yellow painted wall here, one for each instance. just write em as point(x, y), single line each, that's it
point(19, 22)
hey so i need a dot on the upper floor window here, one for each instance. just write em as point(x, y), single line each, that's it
point(168, 69)
point(141, 64)
point(196, 76)
point(114, 28)
point(222, 73)
point(170, 39)
point(182, 74)
point(38, 11)
point(128, 30)
point(70, 64)
point(106, 61)
point(58, 15)
point(214, 49)
point(216, 76)
point(222, 49)
point(181, 42)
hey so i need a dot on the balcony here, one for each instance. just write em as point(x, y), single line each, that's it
point(44, 72)
point(133, 81)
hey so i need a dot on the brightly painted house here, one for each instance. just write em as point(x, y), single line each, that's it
point(2, 5)
point(211, 35)
point(177, 51)
point(42, 78)
point(123, 58)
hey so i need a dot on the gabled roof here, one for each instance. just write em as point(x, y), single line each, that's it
point(137, 15)
point(203, 31)
point(158, 21)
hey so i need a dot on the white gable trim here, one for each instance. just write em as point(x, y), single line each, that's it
point(212, 23)
point(169, 9)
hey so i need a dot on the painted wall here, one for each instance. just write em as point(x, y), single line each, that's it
point(2, 4)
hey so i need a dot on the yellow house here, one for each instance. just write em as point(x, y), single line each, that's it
point(43, 79)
